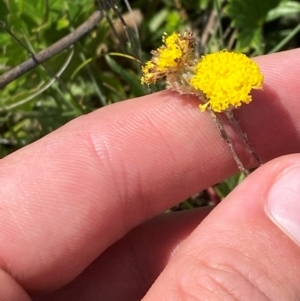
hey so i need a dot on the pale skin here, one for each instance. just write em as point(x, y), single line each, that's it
point(75, 203)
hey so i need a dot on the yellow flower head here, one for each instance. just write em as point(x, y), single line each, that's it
point(170, 58)
point(226, 79)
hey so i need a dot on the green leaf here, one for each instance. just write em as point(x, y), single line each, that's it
point(285, 8)
point(173, 21)
point(34, 10)
point(158, 19)
point(130, 78)
point(82, 65)
point(62, 23)
point(224, 188)
point(3, 10)
point(248, 16)
point(250, 38)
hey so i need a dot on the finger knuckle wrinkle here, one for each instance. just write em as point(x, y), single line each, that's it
point(217, 282)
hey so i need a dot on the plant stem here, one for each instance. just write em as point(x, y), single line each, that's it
point(244, 137)
point(228, 142)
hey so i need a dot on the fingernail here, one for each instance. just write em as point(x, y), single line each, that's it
point(283, 203)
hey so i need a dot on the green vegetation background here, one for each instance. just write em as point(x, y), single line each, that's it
point(96, 71)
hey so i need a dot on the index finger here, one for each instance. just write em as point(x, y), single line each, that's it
point(67, 197)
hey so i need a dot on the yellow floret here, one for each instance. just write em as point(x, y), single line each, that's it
point(170, 54)
point(226, 79)
point(171, 57)
point(148, 73)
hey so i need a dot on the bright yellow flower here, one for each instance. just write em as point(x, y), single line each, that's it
point(170, 58)
point(226, 79)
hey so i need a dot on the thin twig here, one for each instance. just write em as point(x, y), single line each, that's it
point(32, 54)
point(52, 50)
point(135, 50)
point(220, 29)
point(103, 5)
point(135, 26)
point(41, 90)
point(244, 137)
point(229, 143)
point(208, 29)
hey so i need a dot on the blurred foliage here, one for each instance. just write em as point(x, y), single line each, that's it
point(103, 66)
point(248, 16)
point(223, 189)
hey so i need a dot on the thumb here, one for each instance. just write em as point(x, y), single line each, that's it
point(248, 248)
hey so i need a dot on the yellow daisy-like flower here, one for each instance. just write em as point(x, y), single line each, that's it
point(170, 58)
point(226, 79)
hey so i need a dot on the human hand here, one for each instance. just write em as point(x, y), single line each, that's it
point(74, 204)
